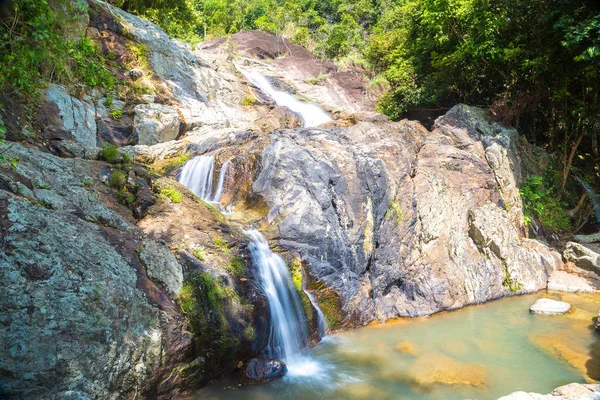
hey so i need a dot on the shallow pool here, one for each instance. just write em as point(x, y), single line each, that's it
point(480, 352)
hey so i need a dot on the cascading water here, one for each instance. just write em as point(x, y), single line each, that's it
point(593, 197)
point(288, 325)
point(311, 114)
point(197, 175)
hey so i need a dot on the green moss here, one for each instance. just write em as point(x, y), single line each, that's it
point(118, 179)
point(110, 153)
point(249, 333)
point(508, 282)
point(395, 211)
point(297, 277)
point(315, 80)
point(172, 194)
point(248, 101)
point(331, 306)
point(236, 266)
point(199, 253)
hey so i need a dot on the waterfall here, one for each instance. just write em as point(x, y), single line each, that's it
point(311, 114)
point(593, 197)
point(288, 325)
point(197, 175)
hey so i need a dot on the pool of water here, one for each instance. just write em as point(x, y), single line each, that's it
point(480, 352)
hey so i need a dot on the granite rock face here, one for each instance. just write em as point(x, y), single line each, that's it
point(155, 123)
point(82, 314)
point(402, 222)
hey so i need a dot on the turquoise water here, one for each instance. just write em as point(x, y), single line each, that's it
point(480, 352)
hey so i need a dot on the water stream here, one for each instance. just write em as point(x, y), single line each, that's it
point(311, 114)
point(289, 334)
point(479, 352)
point(197, 175)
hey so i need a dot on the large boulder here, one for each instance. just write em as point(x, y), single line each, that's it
point(155, 123)
point(582, 256)
point(402, 222)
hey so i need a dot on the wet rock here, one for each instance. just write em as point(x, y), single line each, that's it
point(549, 306)
point(155, 123)
point(406, 347)
point(582, 256)
point(260, 370)
point(144, 199)
point(572, 391)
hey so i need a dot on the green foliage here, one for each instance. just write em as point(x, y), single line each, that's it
point(126, 158)
point(221, 244)
point(118, 179)
point(35, 49)
point(110, 153)
point(172, 194)
point(11, 161)
point(174, 163)
point(539, 202)
point(115, 114)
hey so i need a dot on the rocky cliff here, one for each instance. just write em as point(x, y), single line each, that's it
point(120, 283)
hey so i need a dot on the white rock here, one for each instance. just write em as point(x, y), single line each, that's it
point(156, 123)
point(549, 306)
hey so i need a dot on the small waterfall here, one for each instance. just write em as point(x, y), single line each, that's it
point(593, 197)
point(311, 114)
point(288, 325)
point(322, 324)
point(197, 175)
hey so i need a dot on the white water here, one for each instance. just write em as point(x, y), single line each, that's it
point(197, 175)
point(593, 197)
point(311, 114)
point(288, 325)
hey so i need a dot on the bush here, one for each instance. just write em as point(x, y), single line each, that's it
point(118, 179)
point(539, 203)
point(116, 114)
point(248, 101)
point(110, 153)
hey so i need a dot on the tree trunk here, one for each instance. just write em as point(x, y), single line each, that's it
point(569, 161)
